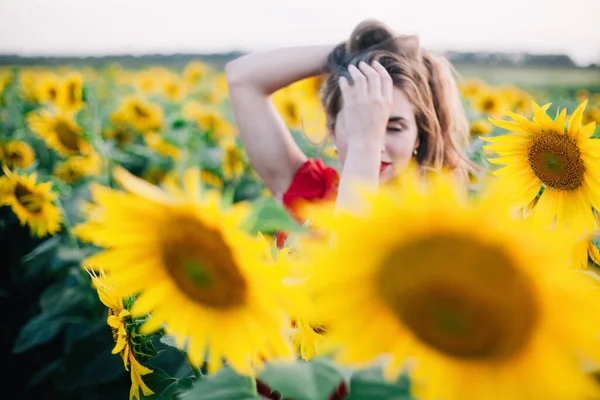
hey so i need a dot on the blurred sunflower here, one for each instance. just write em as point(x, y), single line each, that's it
point(233, 165)
point(480, 127)
point(432, 296)
point(543, 154)
point(491, 102)
point(288, 107)
point(173, 88)
point(16, 153)
point(195, 71)
point(28, 81)
point(60, 132)
point(217, 89)
point(582, 95)
point(211, 179)
point(197, 273)
point(142, 115)
point(71, 93)
point(472, 88)
point(121, 323)
point(592, 115)
point(156, 142)
point(48, 89)
point(32, 202)
point(209, 119)
point(77, 167)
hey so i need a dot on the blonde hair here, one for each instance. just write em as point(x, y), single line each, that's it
point(428, 80)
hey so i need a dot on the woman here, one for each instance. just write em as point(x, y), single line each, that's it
point(387, 101)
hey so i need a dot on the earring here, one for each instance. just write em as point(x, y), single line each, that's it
point(415, 152)
point(335, 148)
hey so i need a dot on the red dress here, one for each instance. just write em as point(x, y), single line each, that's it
point(312, 182)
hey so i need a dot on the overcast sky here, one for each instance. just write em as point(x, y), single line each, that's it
point(96, 27)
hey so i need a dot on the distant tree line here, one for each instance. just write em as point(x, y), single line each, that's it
point(220, 59)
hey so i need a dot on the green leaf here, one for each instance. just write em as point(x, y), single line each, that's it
point(38, 330)
point(313, 380)
point(169, 341)
point(41, 256)
point(225, 385)
point(58, 298)
point(369, 384)
point(269, 217)
point(41, 375)
point(91, 362)
point(164, 386)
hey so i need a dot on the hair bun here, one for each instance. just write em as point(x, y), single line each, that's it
point(368, 33)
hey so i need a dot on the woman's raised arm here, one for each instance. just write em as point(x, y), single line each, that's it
point(252, 78)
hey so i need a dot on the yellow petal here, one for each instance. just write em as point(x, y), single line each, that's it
point(575, 120)
point(121, 342)
point(509, 126)
point(114, 322)
point(561, 118)
point(540, 116)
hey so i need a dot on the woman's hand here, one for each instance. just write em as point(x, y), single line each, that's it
point(366, 105)
point(363, 121)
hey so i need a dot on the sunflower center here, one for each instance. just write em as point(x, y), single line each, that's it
point(52, 94)
point(556, 160)
point(140, 111)
point(72, 93)
point(67, 136)
point(463, 298)
point(202, 264)
point(28, 199)
point(489, 105)
point(14, 157)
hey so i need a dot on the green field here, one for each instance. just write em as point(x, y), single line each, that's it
point(560, 81)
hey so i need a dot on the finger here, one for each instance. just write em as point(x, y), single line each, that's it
point(373, 79)
point(346, 90)
point(359, 85)
point(387, 84)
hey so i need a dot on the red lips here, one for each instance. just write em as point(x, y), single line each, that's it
point(384, 166)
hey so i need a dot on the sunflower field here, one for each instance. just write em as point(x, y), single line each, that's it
point(140, 261)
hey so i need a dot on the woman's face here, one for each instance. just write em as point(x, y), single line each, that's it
point(401, 138)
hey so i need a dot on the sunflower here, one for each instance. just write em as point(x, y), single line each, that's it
point(288, 106)
point(173, 88)
point(198, 274)
point(32, 202)
point(71, 93)
point(211, 179)
point(474, 303)
point(119, 320)
point(141, 114)
point(208, 119)
point(491, 102)
point(156, 142)
point(543, 154)
point(473, 88)
point(195, 71)
point(217, 90)
point(480, 127)
point(77, 167)
point(16, 153)
point(233, 166)
point(48, 89)
point(60, 132)
point(592, 115)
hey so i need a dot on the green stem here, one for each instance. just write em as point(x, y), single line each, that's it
point(67, 224)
